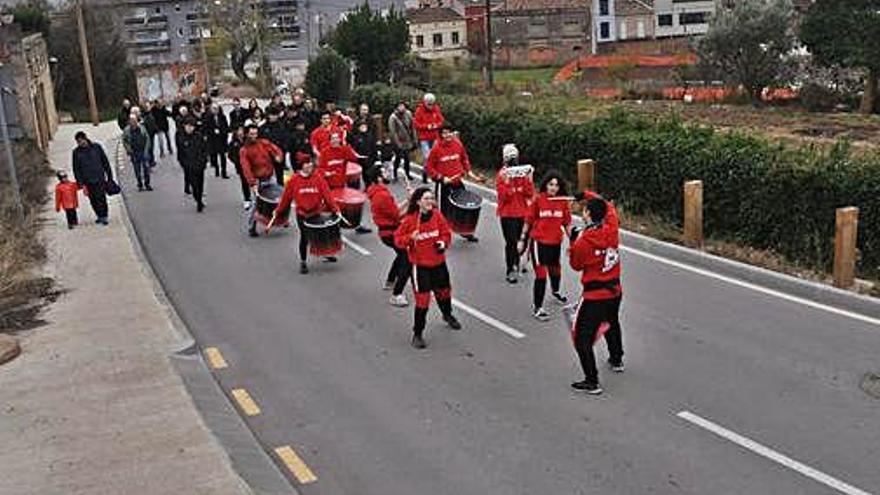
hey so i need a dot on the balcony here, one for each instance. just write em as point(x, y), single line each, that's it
point(275, 7)
point(153, 21)
point(150, 46)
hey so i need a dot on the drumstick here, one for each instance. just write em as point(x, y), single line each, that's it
point(562, 198)
point(270, 224)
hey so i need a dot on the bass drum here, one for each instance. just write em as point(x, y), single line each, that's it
point(464, 211)
point(268, 196)
point(322, 233)
point(353, 173)
point(351, 204)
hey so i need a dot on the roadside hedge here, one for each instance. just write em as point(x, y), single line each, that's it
point(757, 192)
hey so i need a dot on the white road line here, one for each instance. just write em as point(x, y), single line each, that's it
point(731, 280)
point(771, 454)
point(356, 246)
point(492, 322)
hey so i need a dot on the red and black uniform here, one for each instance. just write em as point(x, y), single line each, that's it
point(547, 220)
point(515, 198)
point(596, 254)
point(386, 216)
point(333, 162)
point(320, 137)
point(448, 160)
point(258, 161)
point(311, 196)
point(428, 258)
point(66, 199)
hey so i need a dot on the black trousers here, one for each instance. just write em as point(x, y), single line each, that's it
point(218, 162)
point(245, 188)
point(546, 259)
point(400, 269)
point(279, 173)
point(401, 156)
point(303, 241)
point(98, 199)
point(512, 230)
point(71, 217)
point(194, 176)
point(590, 316)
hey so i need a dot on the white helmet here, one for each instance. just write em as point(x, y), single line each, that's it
point(429, 98)
point(509, 152)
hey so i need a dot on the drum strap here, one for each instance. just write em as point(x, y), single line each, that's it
point(594, 285)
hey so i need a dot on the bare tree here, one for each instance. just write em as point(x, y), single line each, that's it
point(240, 30)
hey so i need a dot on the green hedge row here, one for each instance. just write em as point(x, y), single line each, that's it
point(756, 192)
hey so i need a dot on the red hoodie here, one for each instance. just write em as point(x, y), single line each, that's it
point(311, 195)
point(65, 196)
point(258, 160)
point(428, 122)
point(547, 218)
point(332, 164)
point(320, 137)
point(448, 159)
point(596, 253)
point(515, 195)
point(386, 215)
point(423, 250)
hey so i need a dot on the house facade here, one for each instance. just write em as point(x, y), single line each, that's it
point(528, 33)
point(438, 33)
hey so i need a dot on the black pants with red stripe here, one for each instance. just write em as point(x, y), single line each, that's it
point(546, 259)
point(590, 315)
point(426, 280)
point(400, 269)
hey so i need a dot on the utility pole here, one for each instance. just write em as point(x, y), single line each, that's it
point(490, 77)
point(204, 52)
point(87, 65)
point(10, 159)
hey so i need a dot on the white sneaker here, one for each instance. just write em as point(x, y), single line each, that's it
point(541, 315)
point(246, 205)
point(399, 301)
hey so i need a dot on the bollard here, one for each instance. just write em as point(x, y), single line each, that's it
point(845, 236)
point(693, 213)
point(379, 126)
point(586, 170)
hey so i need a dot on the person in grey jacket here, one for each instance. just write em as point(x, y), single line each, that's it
point(403, 137)
point(91, 168)
point(137, 141)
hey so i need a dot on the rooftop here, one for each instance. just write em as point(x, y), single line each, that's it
point(432, 14)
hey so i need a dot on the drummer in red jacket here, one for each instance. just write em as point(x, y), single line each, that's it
point(310, 193)
point(386, 215)
point(334, 159)
point(257, 157)
point(448, 165)
point(595, 253)
point(320, 137)
point(515, 195)
point(425, 235)
point(548, 221)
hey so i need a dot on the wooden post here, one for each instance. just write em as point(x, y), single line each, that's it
point(586, 175)
point(693, 213)
point(847, 228)
point(379, 125)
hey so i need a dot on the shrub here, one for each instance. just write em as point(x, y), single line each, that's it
point(757, 192)
point(328, 76)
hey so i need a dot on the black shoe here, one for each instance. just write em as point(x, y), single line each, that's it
point(149, 187)
point(362, 230)
point(303, 268)
point(560, 297)
point(70, 226)
point(140, 187)
point(452, 322)
point(511, 277)
point(587, 388)
point(224, 176)
point(418, 342)
point(330, 259)
point(187, 191)
point(200, 207)
point(471, 238)
point(253, 231)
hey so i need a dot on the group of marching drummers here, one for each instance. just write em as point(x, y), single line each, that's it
point(323, 195)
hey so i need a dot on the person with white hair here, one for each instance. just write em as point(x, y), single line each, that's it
point(136, 141)
point(515, 188)
point(428, 121)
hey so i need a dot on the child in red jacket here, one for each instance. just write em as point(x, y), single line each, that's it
point(425, 235)
point(66, 198)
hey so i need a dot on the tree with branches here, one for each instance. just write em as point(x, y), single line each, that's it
point(240, 31)
point(373, 41)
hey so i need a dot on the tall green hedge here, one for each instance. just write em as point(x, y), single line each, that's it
point(757, 192)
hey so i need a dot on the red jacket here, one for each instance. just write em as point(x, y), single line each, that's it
point(320, 137)
point(596, 253)
point(547, 218)
point(333, 162)
point(343, 122)
point(311, 195)
point(258, 160)
point(65, 196)
point(515, 196)
point(386, 215)
point(428, 122)
point(448, 159)
point(423, 250)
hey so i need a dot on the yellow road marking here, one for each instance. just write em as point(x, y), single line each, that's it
point(296, 465)
point(245, 403)
point(215, 359)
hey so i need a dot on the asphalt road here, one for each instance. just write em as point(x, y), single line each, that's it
point(481, 412)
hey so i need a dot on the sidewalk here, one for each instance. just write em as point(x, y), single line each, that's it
point(93, 405)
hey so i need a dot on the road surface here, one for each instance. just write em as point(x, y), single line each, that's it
point(727, 390)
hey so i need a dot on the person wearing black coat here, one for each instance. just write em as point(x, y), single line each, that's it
point(192, 154)
point(217, 132)
point(122, 115)
point(234, 153)
point(364, 143)
point(161, 116)
point(275, 131)
point(91, 168)
point(300, 148)
point(238, 115)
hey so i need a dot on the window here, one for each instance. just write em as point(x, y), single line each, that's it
point(455, 38)
point(537, 28)
point(664, 20)
point(603, 7)
point(692, 18)
point(420, 41)
point(640, 29)
point(158, 10)
point(604, 30)
point(621, 32)
point(438, 39)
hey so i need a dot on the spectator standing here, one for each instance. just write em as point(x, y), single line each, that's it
point(150, 126)
point(234, 153)
point(238, 115)
point(136, 140)
point(217, 134)
point(122, 115)
point(161, 116)
point(403, 137)
point(91, 168)
point(274, 130)
point(192, 154)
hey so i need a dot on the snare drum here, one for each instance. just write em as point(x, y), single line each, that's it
point(353, 172)
point(351, 203)
point(464, 211)
point(323, 235)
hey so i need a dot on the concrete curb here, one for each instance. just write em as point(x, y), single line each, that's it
point(9, 349)
point(249, 459)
